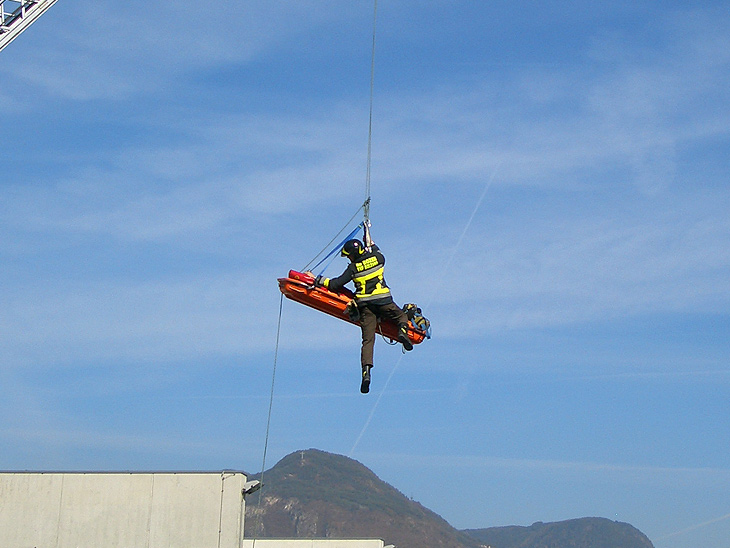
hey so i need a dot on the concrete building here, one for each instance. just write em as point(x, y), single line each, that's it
point(134, 510)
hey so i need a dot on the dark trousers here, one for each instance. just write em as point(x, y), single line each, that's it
point(369, 314)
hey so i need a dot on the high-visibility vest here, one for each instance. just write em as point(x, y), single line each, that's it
point(368, 278)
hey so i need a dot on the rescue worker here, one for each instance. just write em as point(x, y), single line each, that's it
point(372, 297)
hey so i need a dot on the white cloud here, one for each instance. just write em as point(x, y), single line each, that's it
point(596, 136)
point(586, 267)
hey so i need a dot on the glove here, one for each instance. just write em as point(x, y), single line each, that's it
point(318, 282)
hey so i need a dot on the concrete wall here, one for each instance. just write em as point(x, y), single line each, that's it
point(125, 510)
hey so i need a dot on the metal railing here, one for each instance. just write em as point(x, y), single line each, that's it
point(17, 15)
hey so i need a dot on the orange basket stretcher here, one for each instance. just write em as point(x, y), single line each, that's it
point(299, 287)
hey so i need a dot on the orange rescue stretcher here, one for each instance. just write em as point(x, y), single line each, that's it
point(299, 287)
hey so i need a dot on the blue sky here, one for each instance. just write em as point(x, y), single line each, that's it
point(550, 183)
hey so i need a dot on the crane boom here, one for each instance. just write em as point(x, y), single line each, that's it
point(18, 15)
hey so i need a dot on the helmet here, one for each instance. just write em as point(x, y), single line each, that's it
point(352, 248)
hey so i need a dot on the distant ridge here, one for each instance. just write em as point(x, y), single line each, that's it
point(314, 494)
point(574, 533)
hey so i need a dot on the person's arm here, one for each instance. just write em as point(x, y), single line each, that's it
point(336, 284)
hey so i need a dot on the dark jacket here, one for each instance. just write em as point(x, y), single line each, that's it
point(366, 271)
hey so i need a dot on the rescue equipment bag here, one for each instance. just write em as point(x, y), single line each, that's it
point(416, 317)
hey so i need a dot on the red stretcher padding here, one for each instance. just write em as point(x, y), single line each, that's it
point(298, 287)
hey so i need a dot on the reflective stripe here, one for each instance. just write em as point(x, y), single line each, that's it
point(370, 274)
point(377, 269)
point(369, 279)
point(373, 297)
point(371, 284)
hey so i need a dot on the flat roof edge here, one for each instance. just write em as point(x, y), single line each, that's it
point(124, 472)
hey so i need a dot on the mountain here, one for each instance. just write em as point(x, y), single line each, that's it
point(314, 494)
point(574, 533)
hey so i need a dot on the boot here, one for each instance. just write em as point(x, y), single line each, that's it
point(403, 336)
point(365, 385)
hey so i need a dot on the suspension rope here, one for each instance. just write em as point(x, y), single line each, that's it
point(268, 419)
point(366, 205)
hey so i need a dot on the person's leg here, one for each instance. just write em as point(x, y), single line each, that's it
point(368, 325)
point(393, 312)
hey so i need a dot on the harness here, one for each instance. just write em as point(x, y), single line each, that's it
point(369, 279)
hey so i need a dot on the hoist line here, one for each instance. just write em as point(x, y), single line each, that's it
point(268, 418)
point(366, 208)
point(443, 272)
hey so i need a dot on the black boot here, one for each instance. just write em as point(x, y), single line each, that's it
point(365, 385)
point(403, 336)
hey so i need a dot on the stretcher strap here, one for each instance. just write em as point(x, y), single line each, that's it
point(335, 249)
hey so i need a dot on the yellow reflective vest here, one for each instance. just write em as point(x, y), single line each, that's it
point(367, 274)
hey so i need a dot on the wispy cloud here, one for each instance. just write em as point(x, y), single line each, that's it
point(643, 236)
point(161, 321)
point(167, 162)
point(119, 52)
point(604, 470)
point(563, 127)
